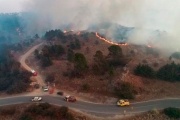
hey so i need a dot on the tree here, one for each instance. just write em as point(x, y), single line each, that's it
point(125, 90)
point(115, 55)
point(144, 71)
point(111, 71)
point(57, 50)
point(46, 61)
point(36, 36)
point(36, 53)
point(169, 72)
point(80, 63)
point(100, 64)
point(72, 45)
point(172, 112)
point(77, 44)
point(115, 51)
point(70, 55)
point(50, 78)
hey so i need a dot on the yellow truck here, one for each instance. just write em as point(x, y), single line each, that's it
point(123, 103)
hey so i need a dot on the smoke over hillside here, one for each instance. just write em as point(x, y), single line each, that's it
point(144, 15)
point(145, 20)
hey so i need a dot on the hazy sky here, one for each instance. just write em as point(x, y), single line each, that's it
point(161, 15)
point(8, 6)
point(152, 13)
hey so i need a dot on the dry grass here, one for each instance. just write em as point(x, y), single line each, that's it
point(100, 88)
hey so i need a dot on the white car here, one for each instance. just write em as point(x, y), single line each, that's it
point(45, 88)
point(35, 99)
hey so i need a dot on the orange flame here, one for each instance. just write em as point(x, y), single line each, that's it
point(109, 41)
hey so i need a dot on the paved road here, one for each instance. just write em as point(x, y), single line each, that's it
point(97, 108)
point(90, 107)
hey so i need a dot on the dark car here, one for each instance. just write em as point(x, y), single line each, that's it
point(70, 98)
point(59, 93)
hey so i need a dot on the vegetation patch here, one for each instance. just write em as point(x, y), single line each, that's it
point(172, 112)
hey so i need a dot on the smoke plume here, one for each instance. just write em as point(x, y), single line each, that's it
point(148, 17)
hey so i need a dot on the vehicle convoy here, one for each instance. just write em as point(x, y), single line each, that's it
point(69, 98)
point(34, 73)
point(36, 99)
point(123, 103)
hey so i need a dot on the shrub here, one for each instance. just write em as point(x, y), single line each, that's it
point(144, 71)
point(124, 90)
point(50, 78)
point(172, 112)
point(69, 116)
point(8, 111)
point(26, 116)
point(154, 111)
point(44, 105)
point(169, 72)
point(34, 109)
point(85, 87)
point(63, 111)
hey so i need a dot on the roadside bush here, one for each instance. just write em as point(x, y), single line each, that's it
point(169, 72)
point(144, 71)
point(63, 111)
point(26, 116)
point(44, 106)
point(154, 111)
point(172, 112)
point(85, 87)
point(50, 78)
point(8, 111)
point(69, 116)
point(34, 109)
point(124, 90)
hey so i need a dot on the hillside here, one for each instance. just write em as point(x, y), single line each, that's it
point(99, 88)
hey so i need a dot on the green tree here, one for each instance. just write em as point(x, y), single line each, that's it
point(70, 55)
point(115, 51)
point(111, 71)
point(36, 53)
point(100, 64)
point(46, 61)
point(172, 112)
point(144, 71)
point(57, 50)
point(80, 63)
point(72, 45)
point(169, 72)
point(115, 55)
point(36, 36)
point(125, 90)
point(77, 44)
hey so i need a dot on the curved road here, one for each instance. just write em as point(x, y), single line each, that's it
point(97, 109)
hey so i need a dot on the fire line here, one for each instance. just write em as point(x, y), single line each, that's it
point(109, 41)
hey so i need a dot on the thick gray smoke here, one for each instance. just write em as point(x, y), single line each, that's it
point(146, 16)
